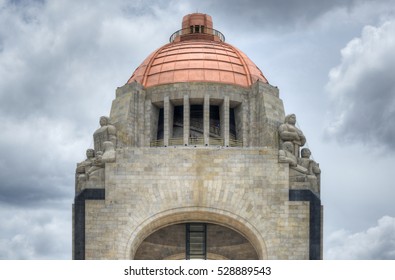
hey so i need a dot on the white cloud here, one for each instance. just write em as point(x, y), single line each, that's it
point(375, 243)
point(362, 88)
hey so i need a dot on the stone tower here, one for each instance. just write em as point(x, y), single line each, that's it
point(197, 160)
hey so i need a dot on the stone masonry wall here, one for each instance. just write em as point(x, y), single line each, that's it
point(243, 189)
point(259, 110)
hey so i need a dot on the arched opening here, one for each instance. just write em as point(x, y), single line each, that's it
point(173, 223)
point(195, 241)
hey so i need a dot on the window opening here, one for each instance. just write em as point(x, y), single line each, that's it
point(232, 124)
point(178, 122)
point(160, 125)
point(196, 245)
point(215, 122)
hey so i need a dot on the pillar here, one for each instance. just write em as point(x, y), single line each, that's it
point(224, 111)
point(186, 120)
point(206, 119)
point(168, 115)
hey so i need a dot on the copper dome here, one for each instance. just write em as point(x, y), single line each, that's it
point(197, 53)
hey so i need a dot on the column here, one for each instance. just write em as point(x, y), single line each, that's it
point(166, 118)
point(225, 122)
point(240, 123)
point(186, 120)
point(206, 119)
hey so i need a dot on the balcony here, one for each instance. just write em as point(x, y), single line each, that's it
point(197, 32)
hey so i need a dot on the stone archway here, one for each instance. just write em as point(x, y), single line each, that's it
point(224, 220)
point(216, 243)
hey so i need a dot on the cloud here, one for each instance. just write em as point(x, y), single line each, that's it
point(376, 243)
point(60, 64)
point(362, 89)
point(41, 233)
point(59, 67)
point(267, 15)
point(38, 161)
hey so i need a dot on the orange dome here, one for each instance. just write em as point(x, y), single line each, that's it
point(197, 54)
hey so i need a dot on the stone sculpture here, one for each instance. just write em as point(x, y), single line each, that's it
point(106, 132)
point(305, 161)
point(290, 133)
point(90, 172)
point(304, 172)
point(313, 169)
point(287, 154)
point(83, 167)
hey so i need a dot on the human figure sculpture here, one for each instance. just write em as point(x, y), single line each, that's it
point(290, 133)
point(81, 171)
point(305, 161)
point(287, 154)
point(97, 164)
point(84, 166)
point(96, 171)
point(109, 152)
point(106, 132)
point(313, 170)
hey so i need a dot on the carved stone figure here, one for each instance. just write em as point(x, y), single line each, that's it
point(109, 152)
point(287, 154)
point(83, 167)
point(305, 161)
point(106, 132)
point(290, 133)
point(97, 164)
point(313, 168)
point(96, 171)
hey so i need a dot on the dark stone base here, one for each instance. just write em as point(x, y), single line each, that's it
point(315, 219)
point(79, 219)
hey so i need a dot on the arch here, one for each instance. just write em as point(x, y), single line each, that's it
point(195, 214)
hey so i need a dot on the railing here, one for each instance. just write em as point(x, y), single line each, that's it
point(216, 141)
point(235, 143)
point(188, 31)
point(197, 141)
point(176, 141)
point(157, 143)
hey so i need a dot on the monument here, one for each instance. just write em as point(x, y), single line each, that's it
point(197, 160)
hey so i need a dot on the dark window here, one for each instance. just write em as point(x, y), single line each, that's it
point(196, 235)
point(232, 124)
point(160, 124)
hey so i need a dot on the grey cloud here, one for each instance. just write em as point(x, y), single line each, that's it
point(41, 233)
point(64, 52)
point(59, 67)
point(269, 14)
point(375, 243)
point(37, 162)
point(363, 89)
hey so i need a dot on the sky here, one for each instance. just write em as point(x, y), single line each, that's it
point(61, 61)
